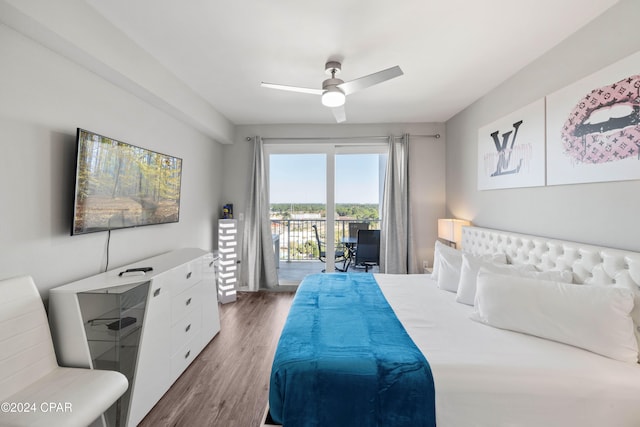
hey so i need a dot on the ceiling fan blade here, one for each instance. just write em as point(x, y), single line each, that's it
point(370, 80)
point(339, 114)
point(292, 88)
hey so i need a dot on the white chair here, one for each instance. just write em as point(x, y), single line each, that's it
point(34, 390)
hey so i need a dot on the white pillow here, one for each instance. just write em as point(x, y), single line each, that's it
point(450, 261)
point(595, 318)
point(562, 276)
point(439, 247)
point(469, 272)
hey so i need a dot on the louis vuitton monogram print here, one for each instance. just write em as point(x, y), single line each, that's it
point(605, 125)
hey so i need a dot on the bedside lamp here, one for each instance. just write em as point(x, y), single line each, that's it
point(450, 230)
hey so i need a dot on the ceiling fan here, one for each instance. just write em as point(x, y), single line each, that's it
point(334, 90)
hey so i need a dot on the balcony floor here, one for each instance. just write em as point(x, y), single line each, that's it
point(291, 273)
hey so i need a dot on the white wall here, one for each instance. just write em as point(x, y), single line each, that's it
point(76, 30)
point(597, 213)
point(43, 99)
point(427, 168)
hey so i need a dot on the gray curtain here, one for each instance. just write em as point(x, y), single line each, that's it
point(258, 258)
point(396, 254)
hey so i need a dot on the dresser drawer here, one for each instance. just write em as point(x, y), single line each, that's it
point(209, 266)
point(184, 276)
point(186, 302)
point(184, 330)
point(183, 358)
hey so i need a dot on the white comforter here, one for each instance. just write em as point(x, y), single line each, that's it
point(491, 377)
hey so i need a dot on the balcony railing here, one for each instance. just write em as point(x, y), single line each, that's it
point(297, 239)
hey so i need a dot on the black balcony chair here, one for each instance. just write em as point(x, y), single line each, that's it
point(340, 256)
point(354, 227)
point(367, 249)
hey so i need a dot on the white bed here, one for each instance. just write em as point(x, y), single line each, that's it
point(485, 376)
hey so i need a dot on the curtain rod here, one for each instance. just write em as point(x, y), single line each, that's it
point(324, 138)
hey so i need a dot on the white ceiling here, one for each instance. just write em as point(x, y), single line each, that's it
point(452, 52)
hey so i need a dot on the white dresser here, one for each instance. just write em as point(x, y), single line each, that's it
point(150, 327)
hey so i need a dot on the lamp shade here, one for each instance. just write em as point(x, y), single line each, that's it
point(451, 229)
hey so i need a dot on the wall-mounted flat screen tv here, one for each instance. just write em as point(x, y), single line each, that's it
point(119, 185)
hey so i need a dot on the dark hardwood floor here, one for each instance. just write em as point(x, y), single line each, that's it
point(227, 384)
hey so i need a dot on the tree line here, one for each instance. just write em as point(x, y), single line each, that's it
point(352, 210)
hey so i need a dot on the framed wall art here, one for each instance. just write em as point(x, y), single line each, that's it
point(593, 127)
point(511, 150)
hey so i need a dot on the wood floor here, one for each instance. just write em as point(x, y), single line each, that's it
point(227, 384)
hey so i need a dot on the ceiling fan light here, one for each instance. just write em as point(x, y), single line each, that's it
point(333, 97)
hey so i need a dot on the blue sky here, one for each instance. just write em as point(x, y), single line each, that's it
point(300, 178)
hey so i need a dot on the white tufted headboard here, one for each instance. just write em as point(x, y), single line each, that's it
point(589, 264)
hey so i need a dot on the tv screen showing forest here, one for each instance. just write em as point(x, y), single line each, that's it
point(119, 185)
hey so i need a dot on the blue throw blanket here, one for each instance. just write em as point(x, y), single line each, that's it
point(344, 359)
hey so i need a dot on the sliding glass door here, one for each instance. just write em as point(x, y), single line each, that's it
point(316, 192)
point(298, 198)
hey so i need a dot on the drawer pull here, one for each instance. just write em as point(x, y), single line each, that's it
point(187, 328)
point(189, 275)
point(187, 355)
point(188, 301)
point(156, 292)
